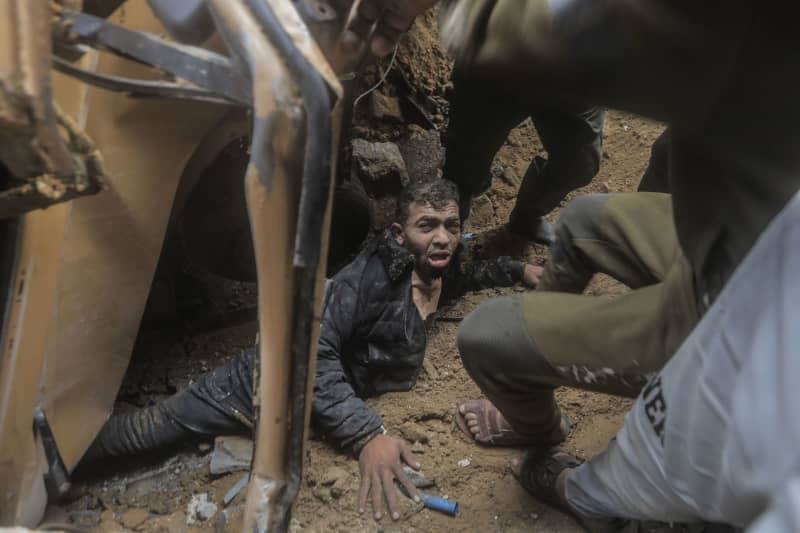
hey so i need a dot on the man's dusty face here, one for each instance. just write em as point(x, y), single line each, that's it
point(431, 235)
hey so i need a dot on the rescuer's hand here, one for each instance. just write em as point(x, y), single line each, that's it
point(395, 16)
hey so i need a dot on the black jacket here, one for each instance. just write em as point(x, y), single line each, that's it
point(372, 337)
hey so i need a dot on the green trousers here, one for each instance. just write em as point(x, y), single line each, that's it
point(518, 349)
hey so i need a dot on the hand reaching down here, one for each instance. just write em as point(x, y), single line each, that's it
point(394, 18)
point(381, 463)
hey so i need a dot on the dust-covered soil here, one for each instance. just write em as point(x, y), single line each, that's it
point(163, 493)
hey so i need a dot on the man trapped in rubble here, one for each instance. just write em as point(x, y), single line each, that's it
point(372, 341)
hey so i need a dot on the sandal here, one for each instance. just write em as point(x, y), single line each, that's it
point(490, 432)
point(539, 474)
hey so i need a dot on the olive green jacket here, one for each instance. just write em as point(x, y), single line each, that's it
point(723, 73)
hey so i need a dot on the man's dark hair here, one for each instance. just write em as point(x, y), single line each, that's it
point(436, 193)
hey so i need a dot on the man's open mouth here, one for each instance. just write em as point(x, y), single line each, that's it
point(439, 259)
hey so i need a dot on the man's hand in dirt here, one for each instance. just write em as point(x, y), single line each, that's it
point(395, 17)
point(381, 462)
point(531, 275)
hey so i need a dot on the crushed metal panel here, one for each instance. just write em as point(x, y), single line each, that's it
point(88, 273)
point(48, 158)
point(30, 144)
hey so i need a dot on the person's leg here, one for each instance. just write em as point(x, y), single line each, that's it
point(656, 176)
point(219, 403)
point(519, 348)
point(714, 435)
point(573, 142)
point(481, 116)
point(629, 236)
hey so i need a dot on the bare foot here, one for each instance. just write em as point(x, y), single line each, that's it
point(482, 421)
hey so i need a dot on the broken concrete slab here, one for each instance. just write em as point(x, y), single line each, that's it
point(379, 167)
point(231, 454)
point(423, 154)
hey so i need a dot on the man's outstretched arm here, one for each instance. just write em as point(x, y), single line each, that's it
point(488, 273)
point(345, 418)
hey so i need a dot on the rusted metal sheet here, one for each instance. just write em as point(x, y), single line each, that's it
point(84, 273)
point(85, 268)
point(31, 147)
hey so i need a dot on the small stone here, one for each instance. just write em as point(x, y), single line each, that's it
point(204, 447)
point(417, 447)
point(107, 516)
point(382, 106)
point(418, 478)
point(200, 509)
point(463, 463)
point(133, 518)
point(85, 519)
point(510, 177)
point(206, 511)
point(323, 494)
point(482, 213)
point(430, 370)
point(231, 454)
point(423, 153)
point(167, 523)
point(379, 166)
point(413, 432)
point(334, 475)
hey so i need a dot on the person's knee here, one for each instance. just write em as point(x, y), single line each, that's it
point(492, 338)
point(582, 216)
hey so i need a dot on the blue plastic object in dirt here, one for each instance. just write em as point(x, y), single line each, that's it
point(440, 504)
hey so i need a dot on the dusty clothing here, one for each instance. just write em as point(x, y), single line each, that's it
point(714, 436)
point(481, 117)
point(656, 175)
point(722, 74)
point(219, 403)
point(519, 348)
point(372, 340)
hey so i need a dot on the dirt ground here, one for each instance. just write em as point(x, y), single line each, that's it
point(153, 495)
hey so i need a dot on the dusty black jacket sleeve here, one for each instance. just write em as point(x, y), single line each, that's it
point(476, 275)
point(336, 410)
